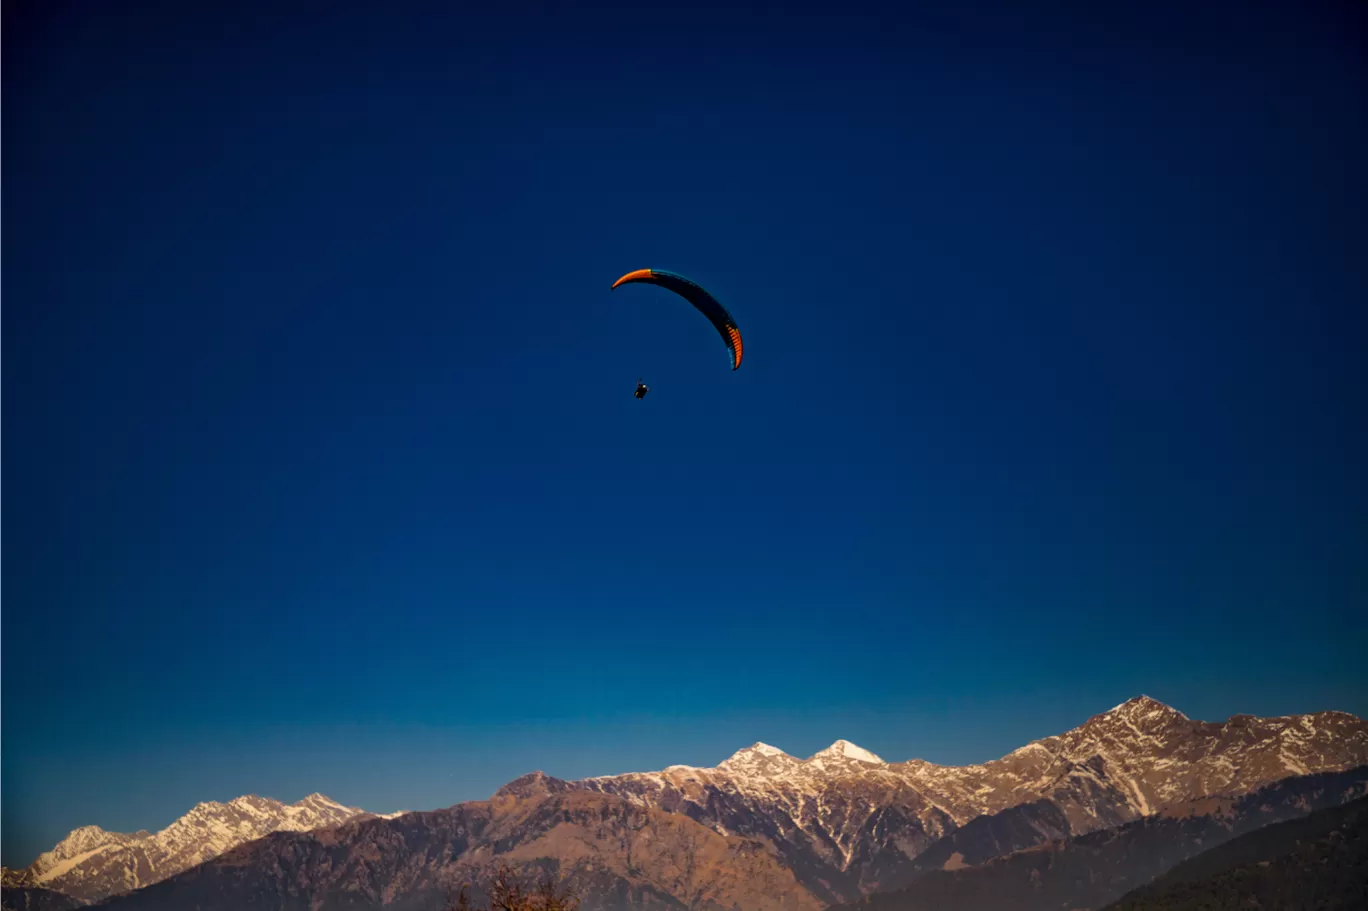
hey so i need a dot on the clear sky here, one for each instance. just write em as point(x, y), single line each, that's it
point(322, 468)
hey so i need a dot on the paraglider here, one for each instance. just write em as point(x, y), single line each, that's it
point(704, 302)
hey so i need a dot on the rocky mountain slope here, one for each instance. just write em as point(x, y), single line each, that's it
point(621, 856)
point(849, 824)
point(91, 864)
point(1088, 871)
point(834, 827)
point(1318, 861)
point(36, 898)
point(616, 855)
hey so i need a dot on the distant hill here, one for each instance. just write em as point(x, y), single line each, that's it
point(1319, 861)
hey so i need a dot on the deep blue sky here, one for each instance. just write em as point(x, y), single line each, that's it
point(322, 469)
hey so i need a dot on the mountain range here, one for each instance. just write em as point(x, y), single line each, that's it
point(1088, 871)
point(91, 864)
point(765, 830)
point(849, 824)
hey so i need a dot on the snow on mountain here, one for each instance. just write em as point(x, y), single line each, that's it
point(847, 819)
point(844, 749)
point(759, 759)
point(1136, 747)
point(844, 822)
point(91, 864)
point(616, 856)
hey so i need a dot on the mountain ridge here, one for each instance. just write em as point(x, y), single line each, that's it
point(847, 823)
point(91, 863)
point(1089, 871)
point(620, 856)
point(851, 826)
point(1319, 860)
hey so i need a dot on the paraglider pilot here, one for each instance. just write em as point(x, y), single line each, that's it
point(641, 389)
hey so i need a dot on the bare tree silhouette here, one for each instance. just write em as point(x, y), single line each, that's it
point(508, 892)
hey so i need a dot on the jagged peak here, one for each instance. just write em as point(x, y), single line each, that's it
point(532, 784)
point(85, 832)
point(1149, 702)
point(755, 751)
point(315, 800)
point(85, 838)
point(213, 806)
point(1143, 705)
point(83, 858)
point(844, 749)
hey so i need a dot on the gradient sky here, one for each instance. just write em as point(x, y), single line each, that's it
point(323, 472)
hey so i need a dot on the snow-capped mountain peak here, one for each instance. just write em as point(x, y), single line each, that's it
point(1144, 708)
point(82, 840)
point(758, 760)
point(1131, 761)
point(91, 864)
point(839, 815)
point(844, 749)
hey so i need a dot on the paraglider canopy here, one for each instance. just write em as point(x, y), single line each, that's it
point(695, 294)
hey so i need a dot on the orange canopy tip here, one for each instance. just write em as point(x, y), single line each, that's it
point(633, 276)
